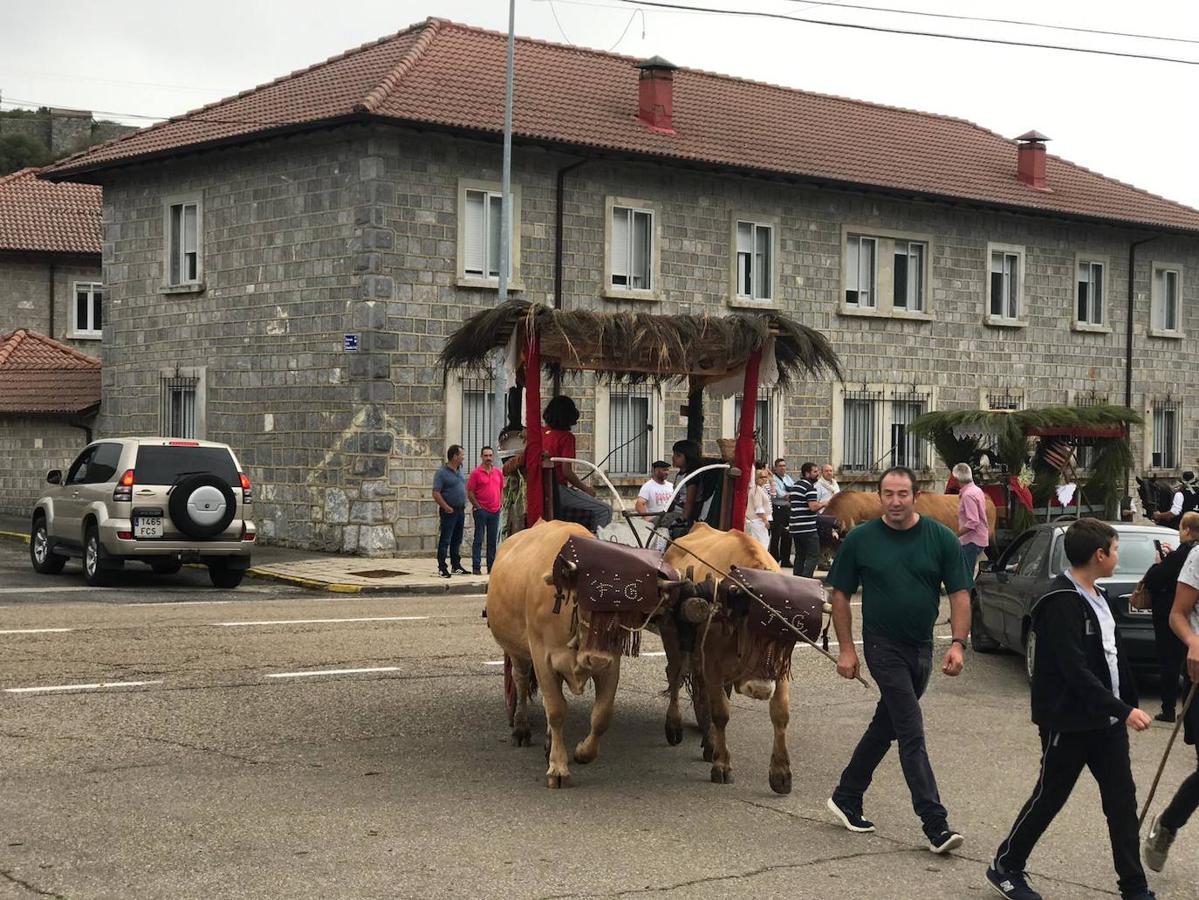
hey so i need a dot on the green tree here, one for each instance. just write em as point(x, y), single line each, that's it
point(18, 151)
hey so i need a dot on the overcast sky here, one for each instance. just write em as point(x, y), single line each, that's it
point(1127, 118)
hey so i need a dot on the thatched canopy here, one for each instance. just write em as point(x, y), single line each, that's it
point(634, 346)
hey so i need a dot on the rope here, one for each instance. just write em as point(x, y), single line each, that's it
point(1161, 768)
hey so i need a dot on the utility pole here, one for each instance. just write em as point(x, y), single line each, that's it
point(500, 377)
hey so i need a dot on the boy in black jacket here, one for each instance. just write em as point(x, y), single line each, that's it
point(1083, 696)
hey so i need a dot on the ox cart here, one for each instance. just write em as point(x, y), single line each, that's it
point(1038, 464)
point(565, 606)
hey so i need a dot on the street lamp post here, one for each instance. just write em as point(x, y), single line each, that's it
point(500, 377)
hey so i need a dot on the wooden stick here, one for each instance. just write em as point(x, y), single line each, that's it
point(1182, 718)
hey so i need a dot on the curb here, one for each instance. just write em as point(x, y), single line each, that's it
point(14, 536)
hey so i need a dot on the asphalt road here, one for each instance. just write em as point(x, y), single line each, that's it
point(229, 772)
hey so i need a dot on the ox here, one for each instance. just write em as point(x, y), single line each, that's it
point(538, 626)
point(852, 508)
point(727, 653)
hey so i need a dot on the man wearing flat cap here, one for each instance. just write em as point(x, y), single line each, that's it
point(1186, 498)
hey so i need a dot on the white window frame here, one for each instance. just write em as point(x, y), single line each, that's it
point(1157, 325)
point(1003, 319)
point(922, 283)
point(603, 421)
point(764, 284)
point(633, 206)
point(886, 242)
point(889, 393)
point(196, 375)
point(854, 244)
point(177, 252)
point(1091, 260)
point(775, 400)
point(95, 304)
point(1167, 402)
point(490, 190)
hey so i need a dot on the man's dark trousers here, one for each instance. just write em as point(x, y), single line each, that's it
point(1063, 756)
point(901, 671)
point(806, 547)
point(449, 538)
point(1171, 652)
point(485, 523)
point(780, 535)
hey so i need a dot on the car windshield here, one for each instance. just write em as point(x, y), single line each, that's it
point(165, 465)
point(1136, 554)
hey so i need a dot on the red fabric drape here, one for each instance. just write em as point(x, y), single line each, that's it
point(534, 491)
point(743, 457)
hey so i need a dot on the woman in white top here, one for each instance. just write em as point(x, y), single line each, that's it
point(757, 511)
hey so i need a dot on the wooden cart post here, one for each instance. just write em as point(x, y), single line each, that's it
point(743, 456)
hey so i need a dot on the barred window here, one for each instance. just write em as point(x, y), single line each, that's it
point(178, 410)
point(763, 423)
point(1004, 401)
point(632, 410)
point(1166, 415)
point(875, 429)
point(478, 417)
point(1086, 451)
point(907, 449)
point(863, 416)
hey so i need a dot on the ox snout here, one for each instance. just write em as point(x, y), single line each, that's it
point(756, 688)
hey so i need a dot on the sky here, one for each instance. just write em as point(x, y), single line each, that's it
point(1130, 119)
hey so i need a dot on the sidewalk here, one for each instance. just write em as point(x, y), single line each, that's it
point(328, 571)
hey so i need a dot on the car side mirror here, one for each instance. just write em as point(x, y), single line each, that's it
point(54, 476)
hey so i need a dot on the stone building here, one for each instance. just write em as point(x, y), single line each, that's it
point(50, 278)
point(60, 131)
point(283, 266)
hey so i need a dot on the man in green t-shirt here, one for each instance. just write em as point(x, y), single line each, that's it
point(900, 561)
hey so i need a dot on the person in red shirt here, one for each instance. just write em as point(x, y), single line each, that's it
point(576, 500)
point(484, 488)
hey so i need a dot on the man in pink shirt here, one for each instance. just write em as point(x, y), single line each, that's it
point(973, 533)
point(485, 487)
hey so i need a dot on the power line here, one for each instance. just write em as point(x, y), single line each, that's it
point(678, 7)
point(959, 18)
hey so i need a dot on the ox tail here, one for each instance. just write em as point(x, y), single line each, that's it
point(510, 683)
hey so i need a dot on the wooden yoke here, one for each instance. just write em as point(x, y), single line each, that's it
point(743, 456)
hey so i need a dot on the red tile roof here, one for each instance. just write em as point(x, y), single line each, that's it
point(40, 375)
point(451, 75)
point(37, 215)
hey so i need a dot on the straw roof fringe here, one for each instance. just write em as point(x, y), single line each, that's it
point(635, 347)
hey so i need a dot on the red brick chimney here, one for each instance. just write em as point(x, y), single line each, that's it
point(1030, 160)
point(656, 94)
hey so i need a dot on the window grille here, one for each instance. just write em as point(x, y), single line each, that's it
point(631, 407)
point(1166, 416)
point(763, 424)
point(907, 449)
point(863, 418)
point(178, 413)
point(478, 418)
point(1006, 400)
point(1086, 451)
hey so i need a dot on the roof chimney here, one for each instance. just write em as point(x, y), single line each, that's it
point(656, 94)
point(1030, 160)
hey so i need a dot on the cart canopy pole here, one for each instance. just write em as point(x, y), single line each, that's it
point(535, 490)
point(744, 454)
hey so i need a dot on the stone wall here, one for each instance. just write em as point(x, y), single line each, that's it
point(63, 131)
point(310, 238)
point(31, 446)
point(25, 295)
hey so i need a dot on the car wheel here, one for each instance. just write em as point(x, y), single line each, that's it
point(225, 577)
point(45, 561)
point(202, 506)
point(94, 572)
point(980, 638)
point(166, 566)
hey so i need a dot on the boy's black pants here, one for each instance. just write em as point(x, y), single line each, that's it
point(1063, 756)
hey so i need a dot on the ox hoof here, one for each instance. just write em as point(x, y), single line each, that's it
point(582, 754)
point(554, 782)
point(780, 782)
point(674, 733)
point(521, 737)
point(721, 776)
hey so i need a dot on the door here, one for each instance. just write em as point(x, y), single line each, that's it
point(68, 507)
point(1004, 600)
point(98, 484)
point(1029, 583)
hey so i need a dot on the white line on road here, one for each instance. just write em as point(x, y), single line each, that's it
point(34, 630)
point(324, 621)
point(99, 685)
point(494, 662)
point(653, 652)
point(332, 672)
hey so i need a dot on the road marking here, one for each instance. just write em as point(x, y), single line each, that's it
point(653, 652)
point(494, 662)
point(34, 630)
point(332, 672)
point(324, 621)
point(100, 685)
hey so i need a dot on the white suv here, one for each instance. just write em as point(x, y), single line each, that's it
point(161, 501)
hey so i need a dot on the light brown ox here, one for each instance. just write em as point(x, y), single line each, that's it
point(852, 508)
point(719, 663)
point(520, 614)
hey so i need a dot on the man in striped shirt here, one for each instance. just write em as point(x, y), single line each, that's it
point(802, 525)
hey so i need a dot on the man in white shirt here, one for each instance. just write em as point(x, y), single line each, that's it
point(654, 497)
point(1186, 498)
point(827, 486)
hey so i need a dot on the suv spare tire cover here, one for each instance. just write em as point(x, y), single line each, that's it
point(202, 506)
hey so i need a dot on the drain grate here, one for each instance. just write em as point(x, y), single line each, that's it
point(378, 573)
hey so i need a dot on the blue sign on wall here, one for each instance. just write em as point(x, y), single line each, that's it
point(350, 342)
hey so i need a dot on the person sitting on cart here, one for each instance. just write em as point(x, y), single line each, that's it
point(576, 501)
point(699, 501)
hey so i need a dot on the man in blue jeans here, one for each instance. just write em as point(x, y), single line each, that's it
point(484, 488)
point(449, 490)
point(900, 561)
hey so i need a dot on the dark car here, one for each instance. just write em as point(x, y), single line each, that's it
point(1005, 591)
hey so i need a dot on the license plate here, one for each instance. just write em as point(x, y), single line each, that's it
point(147, 527)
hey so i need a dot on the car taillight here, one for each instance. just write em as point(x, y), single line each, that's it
point(124, 489)
point(247, 494)
point(183, 443)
